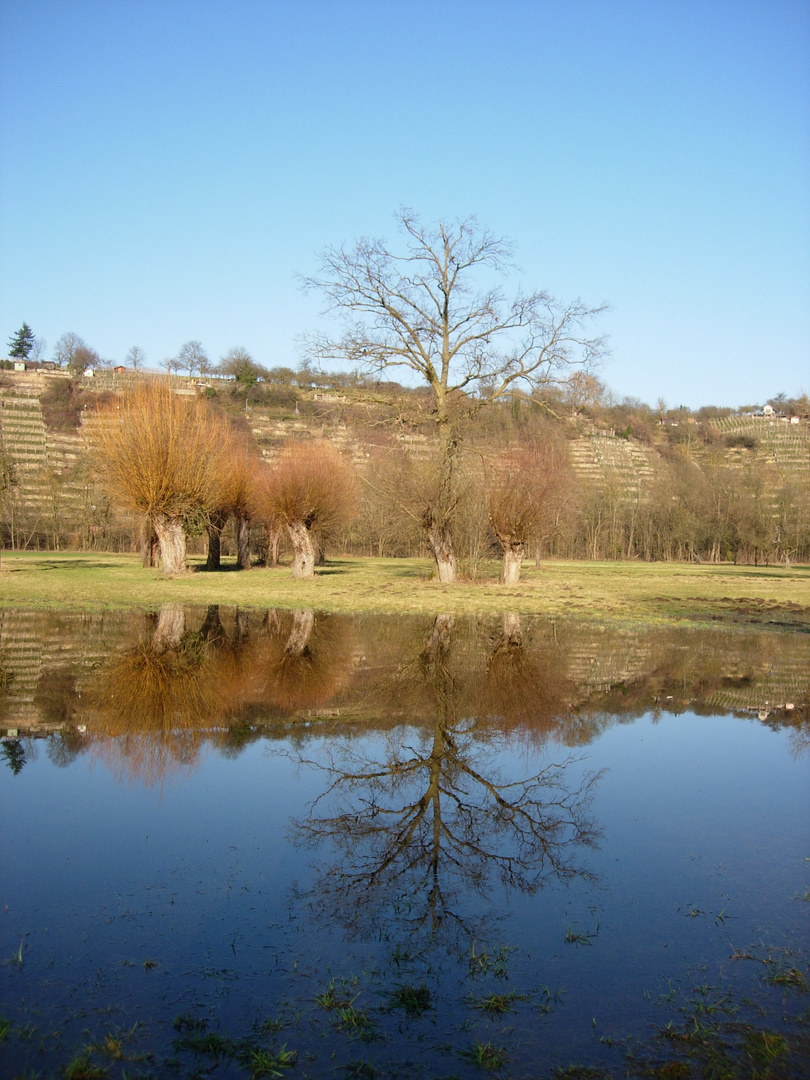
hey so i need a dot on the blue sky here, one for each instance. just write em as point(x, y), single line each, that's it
point(167, 167)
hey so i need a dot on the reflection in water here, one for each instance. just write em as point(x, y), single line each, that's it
point(303, 664)
point(155, 704)
point(152, 702)
point(186, 677)
point(526, 687)
point(440, 798)
point(432, 819)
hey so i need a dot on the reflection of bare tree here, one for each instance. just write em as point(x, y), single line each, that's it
point(434, 815)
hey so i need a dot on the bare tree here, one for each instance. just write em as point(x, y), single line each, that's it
point(430, 820)
point(312, 490)
point(238, 363)
point(193, 358)
point(38, 349)
point(426, 309)
point(161, 454)
point(135, 358)
point(67, 346)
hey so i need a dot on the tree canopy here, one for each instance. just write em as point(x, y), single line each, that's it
point(436, 307)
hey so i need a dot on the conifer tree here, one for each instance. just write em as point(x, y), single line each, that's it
point(22, 343)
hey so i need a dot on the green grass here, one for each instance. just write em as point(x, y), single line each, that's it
point(414, 1000)
point(486, 1055)
point(655, 592)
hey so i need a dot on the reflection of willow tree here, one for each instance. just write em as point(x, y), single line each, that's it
point(525, 686)
point(434, 816)
point(156, 704)
point(153, 702)
point(300, 661)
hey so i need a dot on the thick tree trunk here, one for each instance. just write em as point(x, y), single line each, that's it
point(242, 542)
point(512, 630)
point(438, 515)
point(297, 642)
point(150, 545)
point(215, 527)
point(172, 539)
point(441, 544)
point(242, 628)
point(303, 564)
point(273, 541)
point(513, 555)
point(170, 628)
point(212, 628)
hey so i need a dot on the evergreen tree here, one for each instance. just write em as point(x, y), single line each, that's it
point(22, 343)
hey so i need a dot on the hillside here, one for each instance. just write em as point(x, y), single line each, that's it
point(624, 480)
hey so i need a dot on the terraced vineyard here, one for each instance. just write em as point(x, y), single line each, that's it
point(56, 503)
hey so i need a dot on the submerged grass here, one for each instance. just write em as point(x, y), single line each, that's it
point(657, 592)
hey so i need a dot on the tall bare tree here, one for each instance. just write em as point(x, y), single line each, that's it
point(193, 358)
point(431, 308)
point(136, 358)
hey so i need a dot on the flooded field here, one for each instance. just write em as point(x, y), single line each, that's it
point(291, 844)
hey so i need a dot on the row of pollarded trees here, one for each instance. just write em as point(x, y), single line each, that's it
point(187, 469)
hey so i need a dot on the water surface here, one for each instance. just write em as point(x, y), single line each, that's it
point(402, 847)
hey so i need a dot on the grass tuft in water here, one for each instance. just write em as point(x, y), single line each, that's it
point(486, 1055)
point(783, 975)
point(81, 1067)
point(481, 963)
point(765, 1048)
point(261, 1062)
point(360, 1070)
point(414, 1000)
point(498, 1004)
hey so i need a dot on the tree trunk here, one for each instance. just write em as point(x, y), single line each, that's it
point(242, 542)
point(273, 541)
point(303, 564)
point(150, 545)
point(297, 642)
point(215, 527)
point(441, 544)
point(513, 553)
point(512, 630)
point(170, 628)
point(172, 539)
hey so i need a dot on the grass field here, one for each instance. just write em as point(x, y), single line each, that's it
point(656, 592)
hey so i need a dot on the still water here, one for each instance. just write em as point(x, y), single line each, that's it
point(269, 843)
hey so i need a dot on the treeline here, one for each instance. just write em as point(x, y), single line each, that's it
point(704, 492)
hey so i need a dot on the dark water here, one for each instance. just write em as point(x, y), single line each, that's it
point(402, 847)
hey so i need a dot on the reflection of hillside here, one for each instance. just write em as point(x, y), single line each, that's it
point(704, 671)
point(50, 659)
point(225, 671)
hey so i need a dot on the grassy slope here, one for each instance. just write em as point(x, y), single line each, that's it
point(603, 591)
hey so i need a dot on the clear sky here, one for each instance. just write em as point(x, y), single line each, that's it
point(167, 166)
